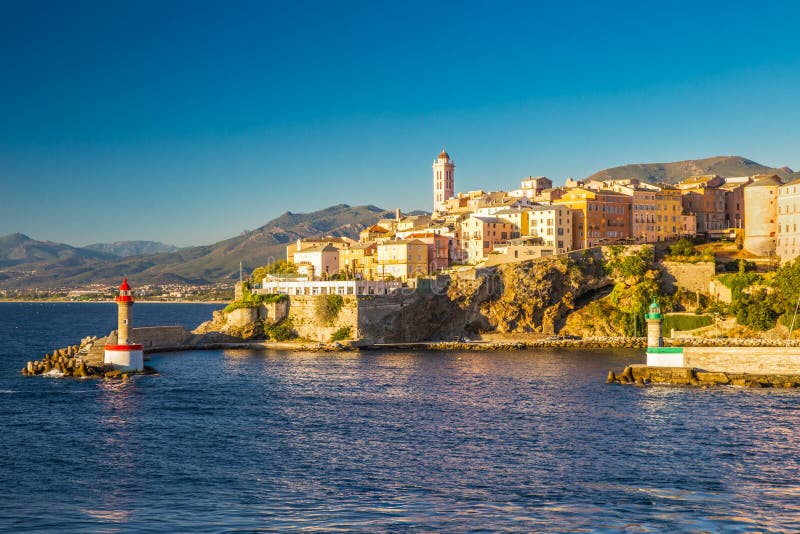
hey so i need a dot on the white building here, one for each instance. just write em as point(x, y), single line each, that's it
point(443, 180)
point(532, 187)
point(553, 224)
point(788, 236)
point(323, 258)
point(328, 287)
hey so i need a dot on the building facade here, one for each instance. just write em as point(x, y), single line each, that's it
point(318, 260)
point(401, 259)
point(761, 214)
point(669, 213)
point(479, 236)
point(329, 287)
point(553, 225)
point(788, 237)
point(598, 217)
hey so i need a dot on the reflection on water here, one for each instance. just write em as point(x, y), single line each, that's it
point(523, 441)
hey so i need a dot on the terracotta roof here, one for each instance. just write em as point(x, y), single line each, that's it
point(444, 155)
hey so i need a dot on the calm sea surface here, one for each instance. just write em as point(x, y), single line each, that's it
point(269, 440)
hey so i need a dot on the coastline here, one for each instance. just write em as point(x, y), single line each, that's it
point(478, 345)
point(59, 301)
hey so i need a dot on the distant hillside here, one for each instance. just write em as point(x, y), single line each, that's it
point(202, 264)
point(123, 249)
point(19, 249)
point(672, 173)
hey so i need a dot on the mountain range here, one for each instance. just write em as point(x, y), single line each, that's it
point(27, 263)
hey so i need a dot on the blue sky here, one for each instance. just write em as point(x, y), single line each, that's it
point(188, 122)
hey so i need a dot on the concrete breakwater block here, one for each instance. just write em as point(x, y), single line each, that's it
point(641, 375)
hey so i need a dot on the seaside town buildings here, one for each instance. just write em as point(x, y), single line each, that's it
point(492, 227)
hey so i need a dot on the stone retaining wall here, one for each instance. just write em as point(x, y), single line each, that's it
point(752, 360)
point(154, 337)
point(689, 276)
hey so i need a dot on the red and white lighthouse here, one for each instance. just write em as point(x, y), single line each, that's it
point(125, 355)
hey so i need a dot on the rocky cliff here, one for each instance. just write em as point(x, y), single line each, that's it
point(532, 296)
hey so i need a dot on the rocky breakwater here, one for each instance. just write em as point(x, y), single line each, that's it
point(77, 361)
point(644, 375)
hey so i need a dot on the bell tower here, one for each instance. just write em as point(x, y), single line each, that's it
point(443, 180)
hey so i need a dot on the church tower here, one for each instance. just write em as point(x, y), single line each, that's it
point(443, 180)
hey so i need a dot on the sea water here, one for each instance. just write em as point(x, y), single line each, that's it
point(379, 441)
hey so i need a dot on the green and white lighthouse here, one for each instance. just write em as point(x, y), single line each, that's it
point(653, 317)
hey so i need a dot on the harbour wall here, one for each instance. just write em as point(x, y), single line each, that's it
point(751, 360)
point(780, 360)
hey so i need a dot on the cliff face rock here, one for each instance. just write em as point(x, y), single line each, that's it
point(537, 296)
point(533, 296)
point(597, 319)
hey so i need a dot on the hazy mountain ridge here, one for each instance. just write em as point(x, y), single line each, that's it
point(19, 249)
point(124, 249)
point(674, 172)
point(193, 265)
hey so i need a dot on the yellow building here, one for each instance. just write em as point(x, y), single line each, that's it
point(358, 261)
point(669, 213)
point(401, 259)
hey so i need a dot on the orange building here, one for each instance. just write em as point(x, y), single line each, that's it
point(599, 217)
point(438, 249)
point(703, 198)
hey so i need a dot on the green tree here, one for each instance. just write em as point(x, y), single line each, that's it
point(327, 308)
point(683, 247)
point(786, 288)
point(280, 267)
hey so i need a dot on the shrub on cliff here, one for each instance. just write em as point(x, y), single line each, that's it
point(251, 301)
point(343, 333)
point(327, 308)
point(636, 283)
point(281, 331)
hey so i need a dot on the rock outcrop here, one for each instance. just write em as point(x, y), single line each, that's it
point(532, 296)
